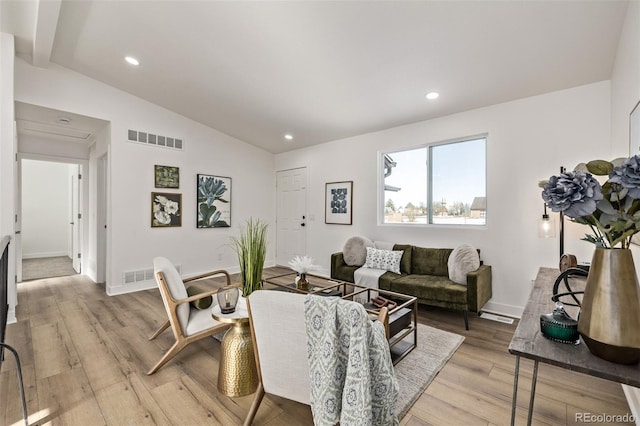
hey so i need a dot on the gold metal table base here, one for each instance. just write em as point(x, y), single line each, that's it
point(237, 375)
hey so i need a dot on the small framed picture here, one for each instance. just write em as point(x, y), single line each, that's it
point(338, 202)
point(634, 131)
point(166, 210)
point(213, 201)
point(167, 177)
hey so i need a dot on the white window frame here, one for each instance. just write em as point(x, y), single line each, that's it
point(429, 201)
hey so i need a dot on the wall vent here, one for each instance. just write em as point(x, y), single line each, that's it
point(155, 140)
point(141, 275)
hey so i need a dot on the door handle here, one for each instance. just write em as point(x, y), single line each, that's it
point(302, 224)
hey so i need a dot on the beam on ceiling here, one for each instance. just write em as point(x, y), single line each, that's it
point(45, 31)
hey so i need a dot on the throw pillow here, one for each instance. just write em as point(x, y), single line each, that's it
point(355, 250)
point(203, 303)
point(462, 260)
point(383, 259)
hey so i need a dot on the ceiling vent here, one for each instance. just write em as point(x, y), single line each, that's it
point(155, 140)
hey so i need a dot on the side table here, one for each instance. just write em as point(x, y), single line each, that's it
point(528, 342)
point(237, 375)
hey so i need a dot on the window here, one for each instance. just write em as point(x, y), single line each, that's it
point(442, 184)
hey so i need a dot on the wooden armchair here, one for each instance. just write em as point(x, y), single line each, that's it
point(187, 323)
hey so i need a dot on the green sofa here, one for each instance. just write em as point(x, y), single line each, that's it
point(425, 275)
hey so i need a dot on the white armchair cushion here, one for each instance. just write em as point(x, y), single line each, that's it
point(176, 287)
point(199, 320)
point(279, 325)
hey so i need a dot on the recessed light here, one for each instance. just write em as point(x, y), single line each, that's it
point(64, 120)
point(132, 60)
point(432, 95)
point(288, 137)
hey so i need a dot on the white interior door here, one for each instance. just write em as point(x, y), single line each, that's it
point(75, 220)
point(18, 221)
point(291, 216)
point(101, 220)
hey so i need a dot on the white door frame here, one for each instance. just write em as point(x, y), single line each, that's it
point(83, 193)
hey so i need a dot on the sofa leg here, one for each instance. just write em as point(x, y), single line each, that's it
point(466, 319)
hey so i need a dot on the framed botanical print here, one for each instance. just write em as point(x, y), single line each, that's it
point(338, 203)
point(166, 210)
point(213, 201)
point(167, 177)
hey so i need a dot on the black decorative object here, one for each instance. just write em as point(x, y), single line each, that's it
point(559, 326)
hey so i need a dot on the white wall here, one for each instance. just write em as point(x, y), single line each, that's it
point(8, 149)
point(133, 243)
point(625, 93)
point(625, 80)
point(46, 201)
point(528, 140)
point(28, 144)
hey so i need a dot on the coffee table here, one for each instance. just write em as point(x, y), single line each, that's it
point(402, 319)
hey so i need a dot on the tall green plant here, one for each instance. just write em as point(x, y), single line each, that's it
point(251, 248)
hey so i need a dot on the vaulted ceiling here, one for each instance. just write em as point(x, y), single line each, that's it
point(321, 70)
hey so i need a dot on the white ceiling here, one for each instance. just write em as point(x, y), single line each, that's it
point(322, 70)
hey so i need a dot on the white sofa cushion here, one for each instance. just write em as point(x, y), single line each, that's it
point(383, 259)
point(355, 250)
point(462, 260)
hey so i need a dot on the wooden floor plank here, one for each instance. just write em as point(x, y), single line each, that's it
point(130, 403)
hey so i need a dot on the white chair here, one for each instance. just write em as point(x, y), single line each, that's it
point(279, 336)
point(187, 323)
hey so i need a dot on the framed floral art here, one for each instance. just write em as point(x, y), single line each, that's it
point(214, 201)
point(166, 210)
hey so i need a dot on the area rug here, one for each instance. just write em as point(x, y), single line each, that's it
point(418, 369)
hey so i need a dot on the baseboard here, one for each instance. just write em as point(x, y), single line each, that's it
point(131, 288)
point(46, 254)
point(633, 399)
point(11, 315)
point(503, 309)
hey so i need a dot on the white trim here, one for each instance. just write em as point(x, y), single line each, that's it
point(46, 254)
point(633, 399)
point(503, 309)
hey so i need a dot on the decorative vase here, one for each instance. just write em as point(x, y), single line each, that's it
point(609, 320)
point(302, 283)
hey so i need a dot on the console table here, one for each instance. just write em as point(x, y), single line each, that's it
point(528, 342)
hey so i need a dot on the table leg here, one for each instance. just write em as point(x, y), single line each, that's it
point(515, 391)
point(237, 375)
point(533, 391)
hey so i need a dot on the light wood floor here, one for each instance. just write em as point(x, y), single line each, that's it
point(85, 356)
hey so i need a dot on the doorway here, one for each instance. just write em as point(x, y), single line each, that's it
point(291, 216)
point(50, 219)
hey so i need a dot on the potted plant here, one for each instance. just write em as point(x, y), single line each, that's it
point(610, 310)
point(251, 248)
point(303, 265)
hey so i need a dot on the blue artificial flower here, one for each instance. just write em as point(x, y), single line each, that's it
point(628, 175)
point(574, 193)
